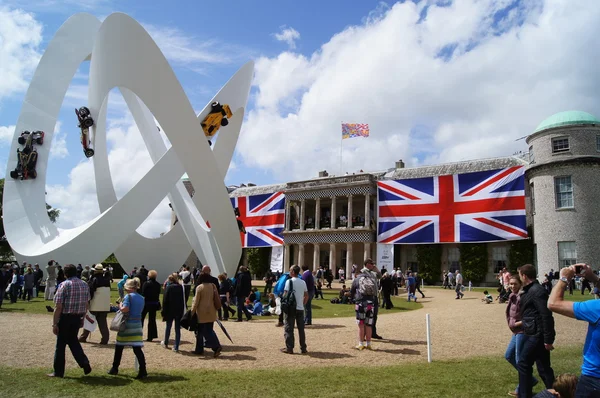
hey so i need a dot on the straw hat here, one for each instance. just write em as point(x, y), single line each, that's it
point(99, 268)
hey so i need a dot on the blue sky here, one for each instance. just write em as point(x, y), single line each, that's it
point(436, 80)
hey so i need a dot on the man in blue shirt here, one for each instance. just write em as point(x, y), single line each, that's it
point(308, 278)
point(588, 311)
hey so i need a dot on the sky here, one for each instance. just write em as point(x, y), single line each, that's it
point(436, 80)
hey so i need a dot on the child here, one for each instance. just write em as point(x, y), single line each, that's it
point(488, 299)
point(319, 290)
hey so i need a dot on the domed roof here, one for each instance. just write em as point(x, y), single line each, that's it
point(567, 118)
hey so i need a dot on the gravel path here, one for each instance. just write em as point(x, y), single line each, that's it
point(460, 328)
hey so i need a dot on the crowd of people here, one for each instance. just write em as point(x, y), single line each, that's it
point(81, 293)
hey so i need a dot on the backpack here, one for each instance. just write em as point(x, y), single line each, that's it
point(280, 285)
point(288, 302)
point(366, 286)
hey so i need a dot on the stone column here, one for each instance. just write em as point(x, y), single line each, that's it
point(332, 257)
point(316, 256)
point(333, 209)
point(367, 250)
point(349, 260)
point(288, 212)
point(349, 211)
point(286, 258)
point(318, 214)
point(302, 213)
point(300, 254)
point(367, 210)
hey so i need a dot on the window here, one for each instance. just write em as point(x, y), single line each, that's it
point(560, 144)
point(499, 258)
point(598, 143)
point(454, 258)
point(564, 192)
point(532, 195)
point(531, 157)
point(567, 254)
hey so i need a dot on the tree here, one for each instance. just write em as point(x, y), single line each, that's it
point(429, 258)
point(5, 250)
point(521, 252)
point(474, 261)
point(258, 260)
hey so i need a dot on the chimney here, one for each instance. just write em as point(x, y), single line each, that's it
point(399, 164)
point(251, 184)
point(323, 173)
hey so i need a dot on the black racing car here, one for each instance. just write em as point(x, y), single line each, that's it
point(37, 136)
point(85, 122)
point(26, 161)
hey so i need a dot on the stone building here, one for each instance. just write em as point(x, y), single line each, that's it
point(564, 185)
point(332, 220)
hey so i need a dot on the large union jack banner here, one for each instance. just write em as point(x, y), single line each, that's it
point(483, 206)
point(263, 218)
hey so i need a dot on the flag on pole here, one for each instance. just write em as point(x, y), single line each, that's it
point(351, 130)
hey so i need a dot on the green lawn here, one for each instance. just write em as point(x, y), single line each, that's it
point(321, 308)
point(576, 296)
point(476, 377)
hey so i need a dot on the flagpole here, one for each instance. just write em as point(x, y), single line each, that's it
point(341, 153)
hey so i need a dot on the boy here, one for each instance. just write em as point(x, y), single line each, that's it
point(488, 299)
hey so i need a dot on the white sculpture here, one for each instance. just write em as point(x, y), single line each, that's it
point(123, 55)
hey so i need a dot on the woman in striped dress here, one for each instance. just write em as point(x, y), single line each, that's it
point(133, 303)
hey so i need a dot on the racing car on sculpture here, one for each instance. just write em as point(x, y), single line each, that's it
point(85, 122)
point(26, 161)
point(218, 116)
point(37, 136)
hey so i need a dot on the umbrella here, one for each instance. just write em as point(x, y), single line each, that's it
point(224, 330)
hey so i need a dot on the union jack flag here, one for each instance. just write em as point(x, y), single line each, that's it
point(483, 206)
point(263, 218)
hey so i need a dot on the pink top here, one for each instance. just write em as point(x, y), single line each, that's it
point(513, 313)
point(506, 278)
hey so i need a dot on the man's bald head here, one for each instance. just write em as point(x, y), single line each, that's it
point(206, 270)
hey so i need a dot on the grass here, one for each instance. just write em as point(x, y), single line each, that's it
point(575, 297)
point(486, 376)
point(321, 308)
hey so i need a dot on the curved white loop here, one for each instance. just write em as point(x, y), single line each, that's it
point(123, 55)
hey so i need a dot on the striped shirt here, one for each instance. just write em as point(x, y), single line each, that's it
point(74, 295)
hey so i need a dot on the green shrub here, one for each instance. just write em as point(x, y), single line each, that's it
point(429, 258)
point(474, 261)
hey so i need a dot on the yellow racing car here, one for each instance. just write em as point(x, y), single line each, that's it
point(216, 118)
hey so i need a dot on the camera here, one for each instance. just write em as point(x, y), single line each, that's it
point(578, 269)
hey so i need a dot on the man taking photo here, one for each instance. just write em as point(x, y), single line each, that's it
point(588, 311)
point(538, 332)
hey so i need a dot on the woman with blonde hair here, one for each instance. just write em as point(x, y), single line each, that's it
point(205, 305)
point(132, 304)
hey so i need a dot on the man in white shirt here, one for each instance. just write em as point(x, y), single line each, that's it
point(186, 276)
point(298, 287)
point(450, 278)
point(459, 282)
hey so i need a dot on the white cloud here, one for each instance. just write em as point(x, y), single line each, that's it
point(20, 37)
point(435, 84)
point(6, 134)
point(288, 35)
point(193, 52)
point(59, 148)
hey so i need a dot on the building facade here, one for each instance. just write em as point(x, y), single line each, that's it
point(332, 220)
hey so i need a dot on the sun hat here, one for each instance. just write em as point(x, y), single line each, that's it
point(99, 268)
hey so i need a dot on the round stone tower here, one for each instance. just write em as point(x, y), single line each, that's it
point(564, 186)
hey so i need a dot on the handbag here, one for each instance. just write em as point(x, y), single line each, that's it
point(118, 324)
point(89, 322)
point(288, 302)
point(189, 321)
